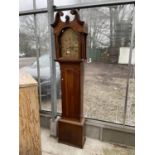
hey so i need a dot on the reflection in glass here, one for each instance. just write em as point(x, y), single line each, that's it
point(65, 2)
point(42, 33)
point(105, 77)
point(104, 91)
point(41, 4)
point(44, 61)
point(27, 43)
point(25, 5)
point(130, 115)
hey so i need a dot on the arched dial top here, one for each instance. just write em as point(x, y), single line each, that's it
point(70, 37)
point(69, 41)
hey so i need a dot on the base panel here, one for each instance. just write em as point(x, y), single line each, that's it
point(71, 132)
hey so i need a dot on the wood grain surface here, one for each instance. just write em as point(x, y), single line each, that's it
point(29, 122)
point(70, 38)
point(25, 79)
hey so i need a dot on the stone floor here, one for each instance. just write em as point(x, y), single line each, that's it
point(50, 146)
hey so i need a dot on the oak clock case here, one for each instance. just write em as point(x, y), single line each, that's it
point(70, 47)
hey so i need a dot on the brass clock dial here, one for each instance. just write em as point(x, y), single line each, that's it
point(69, 44)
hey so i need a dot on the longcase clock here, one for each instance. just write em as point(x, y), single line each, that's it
point(70, 44)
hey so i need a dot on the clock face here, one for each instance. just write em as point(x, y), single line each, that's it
point(69, 44)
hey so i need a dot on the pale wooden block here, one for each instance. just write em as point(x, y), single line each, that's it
point(29, 120)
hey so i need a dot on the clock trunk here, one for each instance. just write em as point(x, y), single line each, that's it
point(72, 89)
point(71, 125)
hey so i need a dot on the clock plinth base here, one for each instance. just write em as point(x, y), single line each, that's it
point(71, 132)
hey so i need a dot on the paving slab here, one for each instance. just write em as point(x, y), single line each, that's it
point(50, 146)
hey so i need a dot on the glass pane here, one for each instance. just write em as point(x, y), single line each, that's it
point(130, 116)
point(105, 74)
point(65, 2)
point(59, 101)
point(27, 44)
point(71, 2)
point(25, 5)
point(41, 4)
point(44, 61)
point(42, 33)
